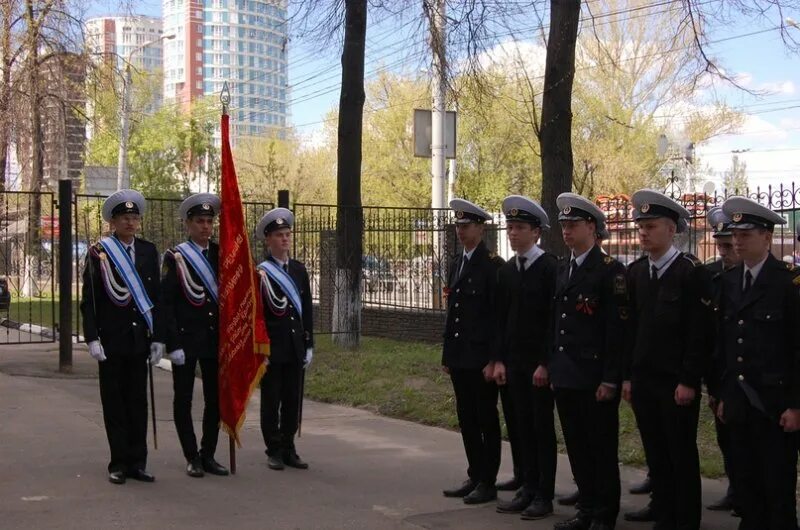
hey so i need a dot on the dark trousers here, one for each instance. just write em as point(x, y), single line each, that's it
point(476, 406)
point(123, 393)
point(183, 384)
point(537, 433)
point(510, 415)
point(591, 434)
point(280, 405)
point(724, 443)
point(764, 474)
point(669, 436)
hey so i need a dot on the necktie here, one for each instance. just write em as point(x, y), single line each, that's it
point(285, 267)
point(464, 261)
point(653, 273)
point(521, 263)
point(573, 264)
point(205, 253)
point(129, 250)
point(748, 281)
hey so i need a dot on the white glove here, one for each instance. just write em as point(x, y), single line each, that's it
point(309, 356)
point(96, 351)
point(177, 357)
point(156, 352)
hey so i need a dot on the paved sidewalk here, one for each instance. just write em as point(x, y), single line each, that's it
point(367, 471)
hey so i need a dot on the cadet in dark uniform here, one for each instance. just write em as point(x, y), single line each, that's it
point(121, 323)
point(591, 311)
point(287, 311)
point(669, 318)
point(526, 285)
point(723, 238)
point(191, 312)
point(468, 336)
point(758, 306)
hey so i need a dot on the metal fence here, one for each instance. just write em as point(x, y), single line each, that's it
point(28, 262)
point(406, 251)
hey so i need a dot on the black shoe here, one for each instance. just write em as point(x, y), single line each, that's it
point(460, 491)
point(538, 509)
point(116, 477)
point(597, 525)
point(195, 468)
point(521, 500)
point(482, 493)
point(509, 485)
point(275, 462)
point(725, 504)
point(642, 488)
point(569, 500)
point(215, 468)
point(576, 523)
point(291, 459)
point(644, 515)
point(141, 475)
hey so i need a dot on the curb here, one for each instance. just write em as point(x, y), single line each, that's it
point(35, 329)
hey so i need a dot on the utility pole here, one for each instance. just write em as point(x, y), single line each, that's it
point(123, 179)
point(451, 180)
point(439, 84)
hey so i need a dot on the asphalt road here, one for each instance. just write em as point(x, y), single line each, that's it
point(367, 472)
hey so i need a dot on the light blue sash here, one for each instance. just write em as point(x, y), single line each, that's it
point(192, 253)
point(126, 268)
point(284, 281)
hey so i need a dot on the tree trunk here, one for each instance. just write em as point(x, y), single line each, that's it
point(5, 88)
point(33, 244)
point(555, 136)
point(346, 322)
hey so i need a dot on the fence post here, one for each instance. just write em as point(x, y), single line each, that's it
point(283, 198)
point(65, 275)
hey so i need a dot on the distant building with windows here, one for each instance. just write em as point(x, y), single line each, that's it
point(116, 37)
point(243, 42)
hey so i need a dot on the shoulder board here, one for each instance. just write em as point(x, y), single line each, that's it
point(692, 259)
point(608, 260)
point(497, 260)
point(796, 280)
point(790, 267)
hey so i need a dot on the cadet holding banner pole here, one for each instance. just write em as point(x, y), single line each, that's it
point(121, 323)
point(189, 295)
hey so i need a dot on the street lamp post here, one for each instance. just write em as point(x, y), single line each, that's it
point(123, 179)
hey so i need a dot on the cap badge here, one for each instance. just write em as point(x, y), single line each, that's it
point(514, 212)
point(720, 226)
point(737, 217)
point(460, 214)
point(566, 210)
point(206, 206)
point(644, 208)
point(129, 204)
point(279, 221)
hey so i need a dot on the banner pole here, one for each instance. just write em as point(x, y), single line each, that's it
point(232, 446)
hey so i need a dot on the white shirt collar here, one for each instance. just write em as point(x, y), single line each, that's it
point(580, 259)
point(754, 270)
point(468, 255)
point(531, 255)
point(663, 263)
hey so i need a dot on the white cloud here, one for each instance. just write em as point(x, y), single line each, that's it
point(778, 87)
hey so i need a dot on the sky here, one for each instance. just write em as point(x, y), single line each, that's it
point(749, 51)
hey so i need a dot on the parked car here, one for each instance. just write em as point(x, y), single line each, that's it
point(5, 295)
point(377, 274)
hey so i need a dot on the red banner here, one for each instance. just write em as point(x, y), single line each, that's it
point(243, 340)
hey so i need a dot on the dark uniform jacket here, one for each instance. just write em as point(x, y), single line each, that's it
point(759, 346)
point(290, 335)
point(470, 324)
point(713, 269)
point(668, 341)
point(193, 328)
point(120, 329)
point(525, 313)
point(591, 312)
